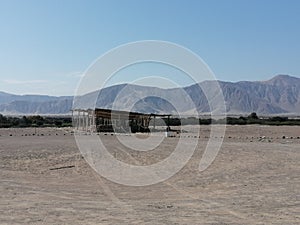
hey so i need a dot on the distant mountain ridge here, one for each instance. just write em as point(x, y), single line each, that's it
point(279, 95)
point(34, 104)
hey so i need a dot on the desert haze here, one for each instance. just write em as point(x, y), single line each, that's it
point(279, 95)
point(149, 112)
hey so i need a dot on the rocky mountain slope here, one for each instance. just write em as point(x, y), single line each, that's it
point(279, 95)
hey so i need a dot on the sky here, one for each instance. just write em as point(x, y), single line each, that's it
point(46, 46)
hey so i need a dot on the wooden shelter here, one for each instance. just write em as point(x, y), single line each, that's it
point(106, 120)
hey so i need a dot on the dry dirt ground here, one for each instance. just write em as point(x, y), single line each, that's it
point(255, 179)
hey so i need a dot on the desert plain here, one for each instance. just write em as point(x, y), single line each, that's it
point(255, 179)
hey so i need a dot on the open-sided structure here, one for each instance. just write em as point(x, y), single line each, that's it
point(106, 120)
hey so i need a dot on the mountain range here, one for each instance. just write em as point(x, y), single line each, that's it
point(279, 95)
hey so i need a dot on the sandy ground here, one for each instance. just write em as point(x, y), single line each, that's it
point(255, 179)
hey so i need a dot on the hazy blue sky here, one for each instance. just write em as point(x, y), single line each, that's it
point(46, 45)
